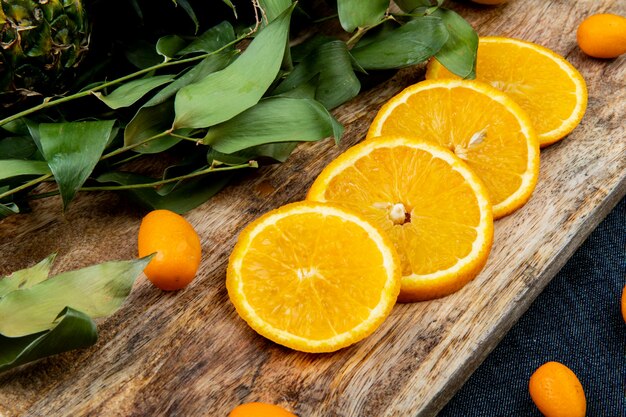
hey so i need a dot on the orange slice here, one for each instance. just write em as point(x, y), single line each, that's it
point(434, 208)
point(479, 123)
point(543, 83)
point(313, 277)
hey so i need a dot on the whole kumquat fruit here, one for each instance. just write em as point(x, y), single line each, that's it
point(259, 410)
point(602, 35)
point(557, 392)
point(176, 246)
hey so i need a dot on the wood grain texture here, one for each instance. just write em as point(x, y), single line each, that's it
point(189, 354)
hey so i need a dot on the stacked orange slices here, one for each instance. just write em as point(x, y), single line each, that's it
point(407, 214)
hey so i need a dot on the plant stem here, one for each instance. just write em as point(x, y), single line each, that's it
point(134, 145)
point(25, 185)
point(362, 31)
point(51, 102)
point(251, 164)
point(196, 140)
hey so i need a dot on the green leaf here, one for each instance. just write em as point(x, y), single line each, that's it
point(97, 291)
point(168, 46)
point(26, 278)
point(129, 93)
point(72, 150)
point(73, 330)
point(207, 66)
point(142, 54)
point(360, 13)
point(17, 147)
point(336, 83)
point(409, 44)
point(412, 5)
point(226, 93)
point(149, 122)
point(189, 10)
point(276, 119)
point(16, 167)
point(213, 39)
point(274, 8)
point(458, 54)
point(186, 196)
point(232, 6)
point(7, 210)
point(276, 152)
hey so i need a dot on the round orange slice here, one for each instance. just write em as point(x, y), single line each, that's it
point(434, 208)
point(480, 124)
point(543, 83)
point(313, 277)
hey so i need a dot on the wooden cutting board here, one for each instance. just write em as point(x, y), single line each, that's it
point(189, 354)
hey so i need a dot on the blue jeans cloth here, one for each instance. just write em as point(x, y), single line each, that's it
point(577, 321)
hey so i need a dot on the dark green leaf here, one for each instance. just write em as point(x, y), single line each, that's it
point(97, 290)
point(17, 147)
point(458, 54)
point(360, 13)
point(226, 93)
point(7, 210)
point(149, 122)
point(273, 120)
point(73, 330)
point(17, 167)
point(412, 43)
point(186, 196)
point(274, 152)
point(207, 66)
point(232, 6)
point(337, 82)
point(213, 39)
point(72, 151)
point(17, 127)
point(26, 278)
point(142, 54)
point(131, 92)
point(168, 46)
point(189, 10)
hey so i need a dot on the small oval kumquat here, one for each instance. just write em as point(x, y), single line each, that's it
point(176, 246)
point(557, 392)
point(257, 409)
point(602, 35)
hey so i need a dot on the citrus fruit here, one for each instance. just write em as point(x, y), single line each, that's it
point(176, 246)
point(557, 392)
point(543, 83)
point(434, 208)
point(313, 277)
point(259, 410)
point(480, 124)
point(624, 303)
point(602, 35)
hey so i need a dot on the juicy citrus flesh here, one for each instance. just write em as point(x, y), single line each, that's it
point(176, 247)
point(543, 83)
point(480, 124)
point(257, 409)
point(557, 392)
point(434, 209)
point(313, 277)
point(602, 35)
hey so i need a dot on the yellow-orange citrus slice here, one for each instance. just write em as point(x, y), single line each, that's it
point(543, 83)
point(434, 208)
point(480, 124)
point(313, 277)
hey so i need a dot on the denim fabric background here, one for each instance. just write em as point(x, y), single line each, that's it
point(577, 321)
